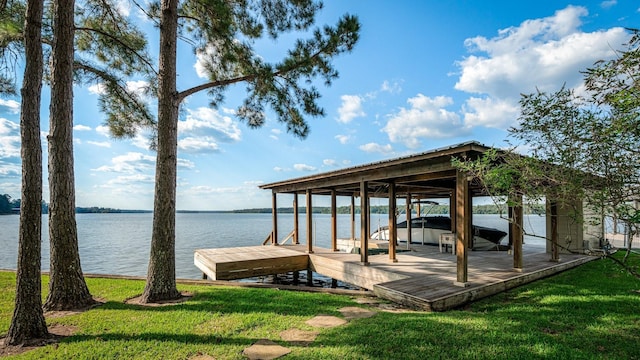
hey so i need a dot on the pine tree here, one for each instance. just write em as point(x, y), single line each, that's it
point(27, 323)
point(224, 32)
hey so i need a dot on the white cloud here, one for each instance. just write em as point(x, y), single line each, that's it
point(538, 54)
point(104, 144)
point(129, 179)
point(608, 4)
point(204, 129)
point(81, 128)
point(426, 118)
point(141, 140)
point(393, 88)
point(209, 60)
point(329, 162)
point(204, 190)
point(138, 87)
point(9, 169)
point(9, 139)
point(198, 145)
point(304, 167)
point(350, 109)
point(275, 134)
point(376, 148)
point(490, 112)
point(278, 169)
point(135, 163)
point(131, 163)
point(186, 164)
point(103, 130)
point(343, 139)
point(12, 105)
point(98, 89)
point(123, 7)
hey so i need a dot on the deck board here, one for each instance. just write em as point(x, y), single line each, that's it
point(422, 278)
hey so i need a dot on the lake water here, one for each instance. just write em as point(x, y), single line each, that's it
point(119, 243)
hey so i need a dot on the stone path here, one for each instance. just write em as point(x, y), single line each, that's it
point(267, 349)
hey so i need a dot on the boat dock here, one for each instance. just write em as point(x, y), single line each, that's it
point(421, 278)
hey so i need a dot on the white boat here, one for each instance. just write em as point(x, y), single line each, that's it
point(427, 230)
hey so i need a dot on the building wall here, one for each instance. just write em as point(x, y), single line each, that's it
point(580, 227)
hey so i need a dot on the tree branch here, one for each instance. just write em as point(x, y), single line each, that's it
point(142, 58)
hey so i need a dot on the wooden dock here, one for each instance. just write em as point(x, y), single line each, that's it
point(421, 278)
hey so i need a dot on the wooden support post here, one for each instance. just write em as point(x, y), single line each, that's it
point(393, 231)
point(204, 276)
point(353, 217)
point(296, 227)
point(309, 222)
point(516, 233)
point(364, 222)
point(462, 230)
point(452, 210)
point(409, 231)
point(309, 278)
point(553, 210)
point(274, 211)
point(296, 277)
point(334, 283)
point(334, 222)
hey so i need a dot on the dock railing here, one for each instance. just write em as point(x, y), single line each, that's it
point(270, 238)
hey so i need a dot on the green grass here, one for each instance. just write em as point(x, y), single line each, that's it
point(591, 312)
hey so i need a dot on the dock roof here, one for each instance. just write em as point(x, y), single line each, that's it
point(423, 175)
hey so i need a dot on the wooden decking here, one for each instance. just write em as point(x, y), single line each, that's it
point(422, 278)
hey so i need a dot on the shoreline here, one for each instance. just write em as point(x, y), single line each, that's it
point(246, 284)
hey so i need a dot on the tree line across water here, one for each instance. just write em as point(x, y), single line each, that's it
point(12, 206)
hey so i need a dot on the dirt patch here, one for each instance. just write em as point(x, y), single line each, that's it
point(184, 296)
point(56, 333)
point(62, 313)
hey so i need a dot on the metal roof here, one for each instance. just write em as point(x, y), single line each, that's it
point(429, 173)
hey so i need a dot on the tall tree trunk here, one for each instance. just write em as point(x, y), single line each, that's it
point(161, 275)
point(28, 319)
point(67, 288)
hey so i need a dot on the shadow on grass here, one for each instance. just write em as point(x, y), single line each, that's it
point(245, 301)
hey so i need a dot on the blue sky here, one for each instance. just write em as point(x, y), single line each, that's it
point(425, 74)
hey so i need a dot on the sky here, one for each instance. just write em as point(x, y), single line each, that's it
point(424, 75)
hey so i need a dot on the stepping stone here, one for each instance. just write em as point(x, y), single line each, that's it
point(353, 312)
point(299, 337)
point(325, 321)
point(367, 300)
point(265, 349)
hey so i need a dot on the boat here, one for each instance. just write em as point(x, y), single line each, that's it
point(427, 229)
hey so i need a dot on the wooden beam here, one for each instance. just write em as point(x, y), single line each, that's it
point(393, 233)
point(296, 227)
point(309, 222)
point(462, 230)
point(364, 223)
point(274, 217)
point(334, 222)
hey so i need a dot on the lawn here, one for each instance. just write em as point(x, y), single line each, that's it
point(590, 312)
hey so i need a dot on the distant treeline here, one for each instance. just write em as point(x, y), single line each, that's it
point(12, 206)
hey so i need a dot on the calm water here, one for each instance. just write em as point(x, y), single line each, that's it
point(119, 243)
